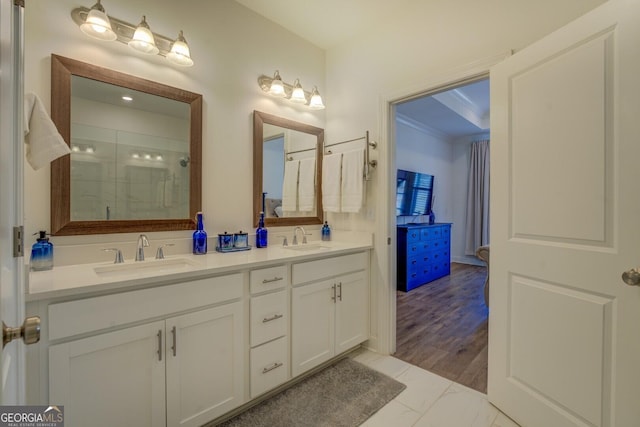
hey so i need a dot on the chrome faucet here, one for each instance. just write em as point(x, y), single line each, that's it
point(143, 242)
point(295, 236)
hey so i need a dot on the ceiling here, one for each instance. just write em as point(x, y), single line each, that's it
point(327, 23)
point(457, 112)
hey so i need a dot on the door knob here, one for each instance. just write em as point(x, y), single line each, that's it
point(631, 277)
point(29, 331)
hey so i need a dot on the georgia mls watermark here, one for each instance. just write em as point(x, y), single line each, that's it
point(31, 416)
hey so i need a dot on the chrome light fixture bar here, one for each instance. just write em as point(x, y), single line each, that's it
point(274, 86)
point(95, 23)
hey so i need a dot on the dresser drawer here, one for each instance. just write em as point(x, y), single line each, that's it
point(269, 366)
point(267, 279)
point(430, 233)
point(413, 235)
point(269, 317)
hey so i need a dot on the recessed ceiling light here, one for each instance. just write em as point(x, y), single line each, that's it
point(127, 98)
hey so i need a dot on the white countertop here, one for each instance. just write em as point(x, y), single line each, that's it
point(82, 279)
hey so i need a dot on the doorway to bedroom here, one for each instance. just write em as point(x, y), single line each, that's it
point(442, 218)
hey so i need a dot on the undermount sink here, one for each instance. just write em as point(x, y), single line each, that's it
point(155, 266)
point(307, 247)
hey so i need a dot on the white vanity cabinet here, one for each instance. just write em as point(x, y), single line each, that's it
point(330, 309)
point(120, 377)
point(161, 352)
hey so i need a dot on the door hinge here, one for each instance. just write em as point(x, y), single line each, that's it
point(18, 241)
point(389, 241)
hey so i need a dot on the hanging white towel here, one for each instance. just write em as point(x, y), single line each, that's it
point(352, 180)
point(44, 143)
point(331, 166)
point(290, 186)
point(307, 184)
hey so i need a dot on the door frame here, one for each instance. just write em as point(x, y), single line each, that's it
point(385, 242)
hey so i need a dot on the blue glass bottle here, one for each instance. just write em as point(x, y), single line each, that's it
point(199, 237)
point(326, 232)
point(261, 233)
point(41, 253)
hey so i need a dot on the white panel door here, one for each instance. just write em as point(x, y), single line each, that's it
point(312, 325)
point(352, 311)
point(112, 379)
point(564, 340)
point(205, 365)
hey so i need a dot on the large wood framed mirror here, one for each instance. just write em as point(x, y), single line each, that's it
point(276, 141)
point(136, 145)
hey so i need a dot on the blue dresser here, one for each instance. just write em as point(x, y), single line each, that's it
point(424, 254)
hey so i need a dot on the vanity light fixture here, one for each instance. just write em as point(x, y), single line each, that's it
point(95, 23)
point(127, 98)
point(295, 93)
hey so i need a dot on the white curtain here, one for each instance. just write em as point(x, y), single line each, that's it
point(478, 198)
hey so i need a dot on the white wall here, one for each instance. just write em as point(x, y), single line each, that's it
point(416, 47)
point(421, 151)
point(231, 47)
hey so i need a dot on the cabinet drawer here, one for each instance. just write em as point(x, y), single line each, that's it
point(92, 314)
point(328, 267)
point(267, 279)
point(269, 366)
point(269, 317)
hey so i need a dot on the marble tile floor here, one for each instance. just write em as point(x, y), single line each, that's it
point(429, 400)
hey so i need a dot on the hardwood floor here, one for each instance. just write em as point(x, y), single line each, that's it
point(443, 327)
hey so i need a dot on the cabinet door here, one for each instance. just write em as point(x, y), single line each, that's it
point(352, 311)
point(113, 379)
point(312, 327)
point(205, 364)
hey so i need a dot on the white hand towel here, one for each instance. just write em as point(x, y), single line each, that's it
point(307, 184)
point(290, 186)
point(44, 143)
point(331, 165)
point(352, 180)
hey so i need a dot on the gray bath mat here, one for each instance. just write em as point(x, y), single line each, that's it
point(342, 395)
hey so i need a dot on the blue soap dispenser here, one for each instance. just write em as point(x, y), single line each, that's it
point(326, 232)
point(261, 231)
point(199, 237)
point(41, 253)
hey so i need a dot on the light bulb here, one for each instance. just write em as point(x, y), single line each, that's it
point(97, 24)
point(297, 95)
point(315, 103)
point(180, 53)
point(143, 40)
point(277, 87)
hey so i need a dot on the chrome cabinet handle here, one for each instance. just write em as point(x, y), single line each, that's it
point(174, 347)
point(275, 279)
point(340, 288)
point(631, 277)
point(272, 318)
point(333, 298)
point(272, 367)
point(160, 345)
